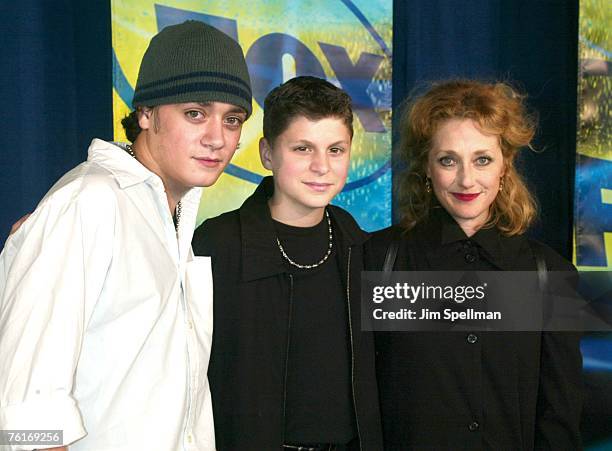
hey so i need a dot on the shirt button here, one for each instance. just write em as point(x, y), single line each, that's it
point(470, 258)
point(472, 338)
point(190, 438)
point(473, 426)
point(190, 324)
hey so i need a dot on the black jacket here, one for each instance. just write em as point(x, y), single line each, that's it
point(480, 390)
point(252, 296)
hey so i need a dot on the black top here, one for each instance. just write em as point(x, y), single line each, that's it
point(319, 406)
point(252, 294)
point(474, 390)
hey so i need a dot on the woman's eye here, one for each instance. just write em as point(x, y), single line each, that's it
point(446, 161)
point(483, 161)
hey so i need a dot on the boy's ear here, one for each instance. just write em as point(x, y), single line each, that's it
point(265, 153)
point(145, 118)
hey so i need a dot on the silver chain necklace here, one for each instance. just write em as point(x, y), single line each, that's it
point(320, 262)
point(177, 215)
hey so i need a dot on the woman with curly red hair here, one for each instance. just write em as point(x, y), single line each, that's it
point(465, 207)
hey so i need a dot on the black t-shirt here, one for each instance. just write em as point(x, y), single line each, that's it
point(319, 406)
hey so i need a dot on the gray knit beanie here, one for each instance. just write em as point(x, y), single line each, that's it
point(193, 62)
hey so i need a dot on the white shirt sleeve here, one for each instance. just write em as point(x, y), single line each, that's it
point(52, 273)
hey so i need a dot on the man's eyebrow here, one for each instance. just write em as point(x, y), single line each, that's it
point(238, 110)
point(235, 109)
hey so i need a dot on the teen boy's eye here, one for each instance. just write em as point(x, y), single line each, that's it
point(301, 149)
point(336, 150)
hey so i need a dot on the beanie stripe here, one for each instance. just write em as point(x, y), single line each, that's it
point(200, 74)
point(210, 87)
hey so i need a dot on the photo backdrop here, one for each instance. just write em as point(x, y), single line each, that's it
point(346, 42)
point(593, 205)
point(57, 88)
point(593, 198)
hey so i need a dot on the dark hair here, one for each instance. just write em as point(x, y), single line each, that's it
point(131, 126)
point(310, 97)
point(498, 109)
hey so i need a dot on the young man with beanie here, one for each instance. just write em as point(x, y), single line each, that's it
point(105, 314)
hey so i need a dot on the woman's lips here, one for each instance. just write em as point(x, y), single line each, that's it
point(466, 197)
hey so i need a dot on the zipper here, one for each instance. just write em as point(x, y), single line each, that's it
point(287, 356)
point(348, 303)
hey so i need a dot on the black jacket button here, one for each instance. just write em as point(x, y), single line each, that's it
point(473, 426)
point(472, 338)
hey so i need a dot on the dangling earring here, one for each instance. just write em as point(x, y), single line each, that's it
point(501, 184)
point(428, 185)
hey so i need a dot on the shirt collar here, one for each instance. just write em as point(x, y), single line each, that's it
point(499, 250)
point(129, 172)
point(260, 253)
point(113, 157)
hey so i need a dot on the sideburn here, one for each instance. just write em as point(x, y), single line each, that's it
point(155, 116)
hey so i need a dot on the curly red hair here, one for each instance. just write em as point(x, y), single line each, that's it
point(498, 109)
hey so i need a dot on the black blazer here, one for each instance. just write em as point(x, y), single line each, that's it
point(481, 390)
point(252, 291)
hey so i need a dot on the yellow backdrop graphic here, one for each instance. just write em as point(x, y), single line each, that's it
point(593, 197)
point(346, 42)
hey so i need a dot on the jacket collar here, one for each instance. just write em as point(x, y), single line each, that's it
point(441, 229)
point(113, 157)
point(260, 255)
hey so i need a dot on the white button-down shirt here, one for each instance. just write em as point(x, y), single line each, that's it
point(106, 315)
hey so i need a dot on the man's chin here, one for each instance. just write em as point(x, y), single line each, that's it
point(209, 180)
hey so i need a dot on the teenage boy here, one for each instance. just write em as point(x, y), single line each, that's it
point(105, 316)
point(290, 368)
